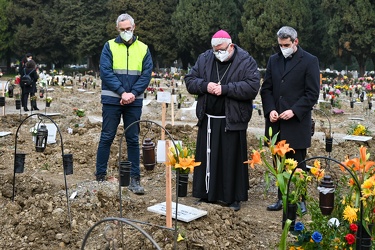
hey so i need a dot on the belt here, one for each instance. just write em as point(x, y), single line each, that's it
point(207, 179)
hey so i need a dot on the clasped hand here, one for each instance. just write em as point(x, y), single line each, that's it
point(286, 115)
point(214, 88)
point(127, 98)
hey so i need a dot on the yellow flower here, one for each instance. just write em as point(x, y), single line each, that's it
point(179, 238)
point(317, 171)
point(350, 214)
point(367, 184)
point(290, 164)
point(171, 159)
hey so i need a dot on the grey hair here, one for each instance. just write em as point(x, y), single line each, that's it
point(124, 17)
point(218, 41)
point(287, 32)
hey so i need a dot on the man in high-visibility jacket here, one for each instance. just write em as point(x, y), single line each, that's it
point(125, 71)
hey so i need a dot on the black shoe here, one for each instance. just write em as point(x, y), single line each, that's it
point(100, 178)
point(135, 186)
point(235, 206)
point(276, 206)
point(302, 205)
point(35, 108)
point(25, 109)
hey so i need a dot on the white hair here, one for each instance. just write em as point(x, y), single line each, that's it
point(124, 17)
point(218, 41)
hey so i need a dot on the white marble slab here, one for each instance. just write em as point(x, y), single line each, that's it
point(357, 138)
point(185, 213)
point(2, 134)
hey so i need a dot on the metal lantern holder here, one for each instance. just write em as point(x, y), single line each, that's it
point(148, 151)
point(328, 140)
point(20, 157)
point(41, 138)
point(130, 221)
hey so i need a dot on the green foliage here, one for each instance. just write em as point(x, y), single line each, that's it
point(66, 31)
point(262, 19)
point(352, 26)
point(195, 21)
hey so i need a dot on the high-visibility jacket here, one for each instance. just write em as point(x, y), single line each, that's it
point(124, 68)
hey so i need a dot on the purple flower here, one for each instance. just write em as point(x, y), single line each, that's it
point(299, 226)
point(317, 237)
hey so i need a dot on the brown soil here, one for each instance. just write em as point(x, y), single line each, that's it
point(39, 217)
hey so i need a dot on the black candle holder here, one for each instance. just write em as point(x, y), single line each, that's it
point(125, 167)
point(2, 101)
point(41, 138)
point(18, 104)
point(68, 164)
point(329, 141)
point(19, 163)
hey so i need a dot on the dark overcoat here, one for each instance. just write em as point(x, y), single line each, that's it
point(294, 87)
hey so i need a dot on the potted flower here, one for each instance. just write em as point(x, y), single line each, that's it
point(351, 224)
point(360, 200)
point(358, 129)
point(33, 101)
point(48, 101)
point(10, 89)
point(181, 99)
point(283, 170)
point(183, 161)
point(79, 112)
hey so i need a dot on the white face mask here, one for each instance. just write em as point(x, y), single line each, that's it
point(126, 35)
point(287, 51)
point(222, 56)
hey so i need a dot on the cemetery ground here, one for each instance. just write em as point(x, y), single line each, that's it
point(39, 217)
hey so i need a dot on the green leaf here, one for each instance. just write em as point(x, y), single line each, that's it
point(284, 236)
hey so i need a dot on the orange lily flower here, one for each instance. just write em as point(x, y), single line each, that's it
point(187, 163)
point(255, 159)
point(281, 148)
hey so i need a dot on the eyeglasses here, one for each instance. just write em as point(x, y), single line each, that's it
point(126, 30)
point(221, 51)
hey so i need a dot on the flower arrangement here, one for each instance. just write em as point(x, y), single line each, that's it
point(358, 129)
point(49, 99)
point(281, 168)
point(182, 160)
point(362, 173)
point(306, 239)
point(340, 229)
point(79, 112)
point(33, 98)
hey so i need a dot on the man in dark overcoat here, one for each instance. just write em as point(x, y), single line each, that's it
point(289, 92)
